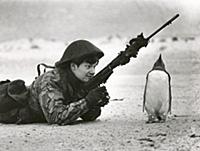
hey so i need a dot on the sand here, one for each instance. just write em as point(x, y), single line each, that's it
point(122, 125)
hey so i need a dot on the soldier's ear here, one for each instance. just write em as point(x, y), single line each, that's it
point(73, 66)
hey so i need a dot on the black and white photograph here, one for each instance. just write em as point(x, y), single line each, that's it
point(99, 75)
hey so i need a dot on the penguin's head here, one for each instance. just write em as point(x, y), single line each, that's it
point(159, 64)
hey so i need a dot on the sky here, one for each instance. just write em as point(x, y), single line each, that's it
point(191, 7)
point(70, 19)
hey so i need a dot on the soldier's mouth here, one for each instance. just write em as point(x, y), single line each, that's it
point(90, 76)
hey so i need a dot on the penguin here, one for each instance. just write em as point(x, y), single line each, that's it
point(157, 93)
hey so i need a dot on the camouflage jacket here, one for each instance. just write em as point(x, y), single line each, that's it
point(48, 101)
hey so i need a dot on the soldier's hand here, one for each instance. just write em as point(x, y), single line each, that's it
point(104, 100)
point(97, 97)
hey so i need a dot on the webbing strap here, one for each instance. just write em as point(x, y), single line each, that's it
point(45, 66)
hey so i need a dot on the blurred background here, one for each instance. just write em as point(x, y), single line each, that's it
point(68, 19)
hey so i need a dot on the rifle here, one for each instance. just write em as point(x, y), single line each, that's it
point(124, 57)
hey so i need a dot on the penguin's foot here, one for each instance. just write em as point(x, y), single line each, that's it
point(162, 118)
point(162, 121)
point(151, 119)
point(150, 122)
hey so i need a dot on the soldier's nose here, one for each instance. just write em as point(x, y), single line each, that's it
point(92, 71)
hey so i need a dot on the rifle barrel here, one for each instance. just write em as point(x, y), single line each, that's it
point(163, 26)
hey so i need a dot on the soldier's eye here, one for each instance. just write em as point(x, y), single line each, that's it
point(88, 66)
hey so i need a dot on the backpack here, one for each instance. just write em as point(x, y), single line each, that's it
point(13, 94)
point(13, 101)
point(14, 97)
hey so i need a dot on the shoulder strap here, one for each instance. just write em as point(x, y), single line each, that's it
point(45, 67)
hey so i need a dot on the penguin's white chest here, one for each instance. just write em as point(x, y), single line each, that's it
point(157, 92)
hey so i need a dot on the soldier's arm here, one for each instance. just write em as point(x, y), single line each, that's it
point(55, 112)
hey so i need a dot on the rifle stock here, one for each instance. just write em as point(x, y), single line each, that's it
point(124, 57)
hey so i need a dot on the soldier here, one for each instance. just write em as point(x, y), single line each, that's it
point(58, 96)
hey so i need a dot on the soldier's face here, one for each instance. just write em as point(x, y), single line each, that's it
point(85, 71)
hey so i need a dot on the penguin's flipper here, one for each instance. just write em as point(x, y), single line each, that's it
point(170, 95)
point(144, 97)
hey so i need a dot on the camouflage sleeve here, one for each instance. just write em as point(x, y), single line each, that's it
point(92, 114)
point(55, 112)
